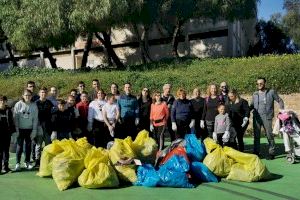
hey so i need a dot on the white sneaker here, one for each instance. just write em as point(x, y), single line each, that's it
point(28, 166)
point(18, 167)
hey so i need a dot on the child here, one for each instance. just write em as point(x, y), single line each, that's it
point(7, 128)
point(111, 116)
point(222, 125)
point(62, 122)
point(83, 108)
point(159, 114)
point(71, 103)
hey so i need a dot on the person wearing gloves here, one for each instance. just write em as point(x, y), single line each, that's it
point(129, 112)
point(26, 122)
point(262, 105)
point(239, 112)
point(83, 108)
point(144, 101)
point(181, 115)
point(96, 120)
point(198, 105)
point(222, 124)
point(159, 114)
point(111, 116)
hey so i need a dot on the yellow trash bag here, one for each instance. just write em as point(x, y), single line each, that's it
point(121, 150)
point(127, 173)
point(249, 167)
point(98, 173)
point(145, 147)
point(68, 165)
point(49, 152)
point(82, 142)
point(217, 161)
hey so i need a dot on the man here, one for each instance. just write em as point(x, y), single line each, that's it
point(53, 96)
point(224, 91)
point(263, 113)
point(45, 107)
point(71, 105)
point(128, 106)
point(169, 99)
point(80, 89)
point(31, 87)
point(96, 88)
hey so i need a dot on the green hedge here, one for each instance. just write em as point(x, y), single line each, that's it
point(282, 73)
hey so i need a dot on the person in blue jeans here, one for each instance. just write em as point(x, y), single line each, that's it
point(262, 105)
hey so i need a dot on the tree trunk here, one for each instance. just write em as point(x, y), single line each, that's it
point(110, 51)
point(146, 43)
point(143, 53)
point(175, 39)
point(51, 59)
point(86, 51)
point(11, 55)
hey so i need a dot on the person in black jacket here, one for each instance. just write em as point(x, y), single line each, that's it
point(198, 105)
point(144, 102)
point(6, 128)
point(239, 112)
point(182, 115)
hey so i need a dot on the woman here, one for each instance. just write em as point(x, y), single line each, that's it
point(239, 113)
point(96, 120)
point(114, 89)
point(144, 103)
point(212, 101)
point(159, 115)
point(26, 122)
point(182, 115)
point(198, 106)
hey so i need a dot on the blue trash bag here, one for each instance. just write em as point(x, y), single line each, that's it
point(174, 173)
point(202, 173)
point(147, 176)
point(195, 150)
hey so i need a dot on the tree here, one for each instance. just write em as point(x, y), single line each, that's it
point(3, 39)
point(34, 25)
point(291, 20)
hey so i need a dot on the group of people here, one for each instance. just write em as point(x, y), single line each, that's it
point(223, 115)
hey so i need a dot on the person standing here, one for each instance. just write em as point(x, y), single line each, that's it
point(129, 110)
point(31, 87)
point(222, 125)
point(262, 105)
point(239, 113)
point(182, 115)
point(53, 96)
point(198, 104)
point(95, 89)
point(45, 108)
point(114, 89)
point(144, 102)
point(71, 105)
point(169, 99)
point(83, 108)
point(224, 91)
point(7, 128)
point(26, 122)
point(80, 89)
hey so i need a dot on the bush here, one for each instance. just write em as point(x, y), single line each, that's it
point(282, 73)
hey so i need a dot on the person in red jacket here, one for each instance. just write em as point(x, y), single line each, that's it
point(83, 108)
point(159, 114)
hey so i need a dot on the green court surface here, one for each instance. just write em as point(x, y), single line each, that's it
point(284, 185)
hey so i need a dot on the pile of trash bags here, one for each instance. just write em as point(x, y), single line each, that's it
point(184, 163)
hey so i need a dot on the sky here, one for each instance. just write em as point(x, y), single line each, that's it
point(267, 7)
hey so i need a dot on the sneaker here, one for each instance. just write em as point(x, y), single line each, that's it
point(6, 170)
point(18, 167)
point(28, 166)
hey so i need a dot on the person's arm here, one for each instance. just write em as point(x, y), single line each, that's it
point(151, 113)
point(54, 121)
point(204, 110)
point(251, 107)
point(16, 115)
point(173, 112)
point(118, 113)
point(227, 122)
point(216, 124)
point(104, 113)
point(11, 121)
point(245, 107)
point(35, 118)
point(278, 100)
point(136, 108)
point(167, 112)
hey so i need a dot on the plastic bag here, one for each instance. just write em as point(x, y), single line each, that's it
point(126, 173)
point(68, 165)
point(179, 151)
point(218, 162)
point(195, 150)
point(121, 149)
point(174, 173)
point(98, 173)
point(145, 147)
point(49, 152)
point(248, 168)
point(147, 176)
point(82, 142)
point(202, 173)
point(210, 145)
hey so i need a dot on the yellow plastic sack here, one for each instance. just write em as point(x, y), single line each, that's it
point(98, 173)
point(218, 162)
point(145, 147)
point(210, 144)
point(126, 173)
point(121, 150)
point(49, 152)
point(82, 142)
point(68, 165)
point(248, 168)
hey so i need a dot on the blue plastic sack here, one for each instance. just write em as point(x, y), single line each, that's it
point(201, 172)
point(147, 176)
point(195, 150)
point(174, 173)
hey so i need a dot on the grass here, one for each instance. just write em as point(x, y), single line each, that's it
point(26, 185)
point(282, 73)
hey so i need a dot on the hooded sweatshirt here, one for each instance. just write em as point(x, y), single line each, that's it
point(26, 115)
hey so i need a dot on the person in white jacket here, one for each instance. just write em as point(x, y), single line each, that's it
point(26, 122)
